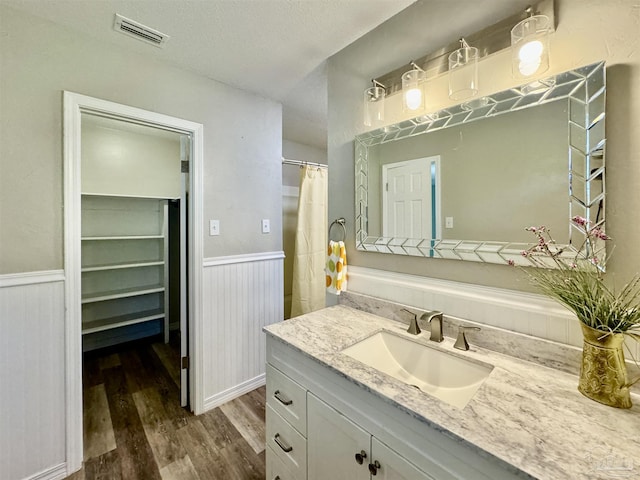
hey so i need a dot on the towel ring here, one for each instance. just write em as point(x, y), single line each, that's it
point(338, 221)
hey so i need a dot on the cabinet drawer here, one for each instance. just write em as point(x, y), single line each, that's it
point(287, 398)
point(276, 469)
point(287, 444)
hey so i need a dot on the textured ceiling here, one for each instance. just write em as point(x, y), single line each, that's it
point(275, 48)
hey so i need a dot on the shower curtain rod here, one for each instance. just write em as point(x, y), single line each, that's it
point(302, 163)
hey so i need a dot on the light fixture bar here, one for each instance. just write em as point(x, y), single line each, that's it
point(488, 40)
point(416, 66)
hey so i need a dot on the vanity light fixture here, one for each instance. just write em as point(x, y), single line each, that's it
point(530, 45)
point(413, 89)
point(525, 33)
point(463, 72)
point(374, 103)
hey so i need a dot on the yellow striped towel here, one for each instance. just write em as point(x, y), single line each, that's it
point(336, 269)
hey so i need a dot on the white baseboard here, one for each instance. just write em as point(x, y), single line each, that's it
point(234, 392)
point(53, 473)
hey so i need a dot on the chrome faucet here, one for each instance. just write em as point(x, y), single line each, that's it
point(435, 320)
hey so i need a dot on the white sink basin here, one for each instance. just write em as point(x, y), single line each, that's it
point(446, 376)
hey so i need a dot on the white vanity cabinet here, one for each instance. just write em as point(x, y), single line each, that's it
point(340, 449)
point(318, 420)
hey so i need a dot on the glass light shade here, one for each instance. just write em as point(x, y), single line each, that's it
point(373, 105)
point(463, 73)
point(530, 46)
point(412, 91)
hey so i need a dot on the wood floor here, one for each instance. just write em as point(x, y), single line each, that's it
point(134, 427)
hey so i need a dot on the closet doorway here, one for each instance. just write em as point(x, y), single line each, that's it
point(133, 223)
point(132, 256)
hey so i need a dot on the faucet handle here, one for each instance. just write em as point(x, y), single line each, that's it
point(461, 341)
point(414, 329)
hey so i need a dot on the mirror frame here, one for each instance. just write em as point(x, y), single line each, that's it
point(583, 88)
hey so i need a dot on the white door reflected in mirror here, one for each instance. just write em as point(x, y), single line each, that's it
point(410, 197)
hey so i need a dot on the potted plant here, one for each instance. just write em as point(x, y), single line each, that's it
point(606, 315)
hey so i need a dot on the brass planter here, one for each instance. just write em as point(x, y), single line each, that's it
point(603, 373)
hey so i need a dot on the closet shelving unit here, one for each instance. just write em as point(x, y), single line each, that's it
point(124, 264)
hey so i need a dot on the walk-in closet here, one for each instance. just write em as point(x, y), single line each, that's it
point(134, 187)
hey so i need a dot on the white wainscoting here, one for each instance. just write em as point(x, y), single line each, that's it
point(32, 376)
point(521, 312)
point(241, 294)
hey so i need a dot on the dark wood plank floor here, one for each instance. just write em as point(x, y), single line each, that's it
point(134, 427)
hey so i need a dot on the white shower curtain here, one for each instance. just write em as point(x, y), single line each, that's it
point(308, 290)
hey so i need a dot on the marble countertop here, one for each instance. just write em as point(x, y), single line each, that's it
point(530, 416)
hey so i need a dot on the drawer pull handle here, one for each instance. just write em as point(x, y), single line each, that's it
point(374, 467)
point(283, 400)
point(285, 448)
point(360, 457)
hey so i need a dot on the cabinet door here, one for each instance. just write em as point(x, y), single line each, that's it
point(392, 465)
point(332, 443)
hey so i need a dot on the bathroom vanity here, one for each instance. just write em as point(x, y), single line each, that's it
point(330, 416)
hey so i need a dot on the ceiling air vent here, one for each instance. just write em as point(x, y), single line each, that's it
point(139, 31)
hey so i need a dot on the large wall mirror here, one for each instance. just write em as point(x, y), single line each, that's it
point(464, 183)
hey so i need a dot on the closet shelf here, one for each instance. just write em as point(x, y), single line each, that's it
point(122, 293)
point(121, 321)
point(124, 237)
point(123, 195)
point(119, 266)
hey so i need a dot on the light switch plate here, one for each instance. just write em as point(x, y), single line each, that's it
point(448, 222)
point(214, 227)
point(266, 225)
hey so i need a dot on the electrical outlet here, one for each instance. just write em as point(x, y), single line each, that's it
point(266, 225)
point(214, 227)
point(448, 222)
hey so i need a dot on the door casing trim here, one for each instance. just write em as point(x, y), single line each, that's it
point(74, 105)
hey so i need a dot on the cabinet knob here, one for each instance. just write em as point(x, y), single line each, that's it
point(360, 457)
point(374, 467)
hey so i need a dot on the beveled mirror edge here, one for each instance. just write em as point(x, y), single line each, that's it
point(583, 141)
